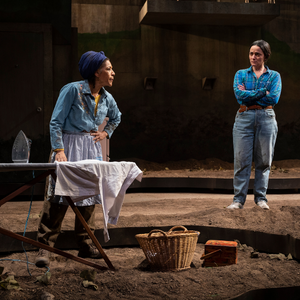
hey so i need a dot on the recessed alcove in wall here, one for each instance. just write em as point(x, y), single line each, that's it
point(149, 83)
point(208, 83)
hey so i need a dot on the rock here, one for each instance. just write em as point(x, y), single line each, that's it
point(44, 279)
point(279, 256)
point(89, 275)
point(254, 254)
point(47, 296)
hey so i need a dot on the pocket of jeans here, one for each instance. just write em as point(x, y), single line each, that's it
point(270, 113)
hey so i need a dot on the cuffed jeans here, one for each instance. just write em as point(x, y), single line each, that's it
point(254, 135)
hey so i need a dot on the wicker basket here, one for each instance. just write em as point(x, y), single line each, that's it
point(169, 251)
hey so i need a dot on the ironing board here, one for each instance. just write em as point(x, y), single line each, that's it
point(49, 169)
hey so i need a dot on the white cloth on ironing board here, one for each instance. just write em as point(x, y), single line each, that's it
point(86, 178)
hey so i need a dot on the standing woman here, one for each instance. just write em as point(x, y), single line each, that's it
point(81, 107)
point(257, 90)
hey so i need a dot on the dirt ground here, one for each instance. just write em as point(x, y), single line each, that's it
point(133, 279)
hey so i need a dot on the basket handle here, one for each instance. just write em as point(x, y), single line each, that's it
point(177, 227)
point(210, 254)
point(157, 230)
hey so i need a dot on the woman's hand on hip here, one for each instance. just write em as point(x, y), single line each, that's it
point(60, 156)
point(99, 135)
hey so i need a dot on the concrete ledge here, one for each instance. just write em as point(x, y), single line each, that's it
point(156, 12)
point(291, 293)
point(210, 183)
point(188, 183)
point(125, 237)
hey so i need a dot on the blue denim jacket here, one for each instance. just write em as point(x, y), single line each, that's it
point(256, 89)
point(74, 112)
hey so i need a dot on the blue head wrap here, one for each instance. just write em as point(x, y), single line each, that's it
point(90, 62)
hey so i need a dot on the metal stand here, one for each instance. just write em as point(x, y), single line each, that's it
point(46, 247)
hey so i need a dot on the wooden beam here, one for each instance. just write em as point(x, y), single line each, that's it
point(51, 249)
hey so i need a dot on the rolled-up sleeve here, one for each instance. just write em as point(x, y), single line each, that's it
point(114, 116)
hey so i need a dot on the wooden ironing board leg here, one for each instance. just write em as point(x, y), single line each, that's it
point(87, 228)
point(51, 249)
point(46, 247)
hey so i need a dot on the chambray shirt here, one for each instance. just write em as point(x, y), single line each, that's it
point(256, 89)
point(74, 112)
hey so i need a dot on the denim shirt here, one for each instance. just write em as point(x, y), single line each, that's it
point(256, 89)
point(74, 112)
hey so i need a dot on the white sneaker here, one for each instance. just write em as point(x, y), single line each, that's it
point(263, 204)
point(235, 205)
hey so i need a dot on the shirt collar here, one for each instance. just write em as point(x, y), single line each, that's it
point(103, 91)
point(86, 88)
point(251, 70)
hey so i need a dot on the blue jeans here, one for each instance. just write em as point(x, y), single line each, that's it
point(254, 135)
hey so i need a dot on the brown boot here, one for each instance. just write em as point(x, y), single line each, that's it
point(43, 258)
point(89, 251)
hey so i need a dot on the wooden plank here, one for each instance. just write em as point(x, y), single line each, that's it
point(90, 233)
point(87, 228)
point(51, 249)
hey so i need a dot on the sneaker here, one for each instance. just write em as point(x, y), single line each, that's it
point(89, 251)
point(43, 258)
point(235, 205)
point(263, 204)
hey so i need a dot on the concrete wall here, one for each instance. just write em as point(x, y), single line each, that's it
point(178, 119)
point(37, 58)
point(283, 34)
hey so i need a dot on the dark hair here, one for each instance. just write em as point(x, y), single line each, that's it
point(92, 79)
point(264, 46)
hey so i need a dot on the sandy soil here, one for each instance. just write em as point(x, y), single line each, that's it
point(133, 279)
